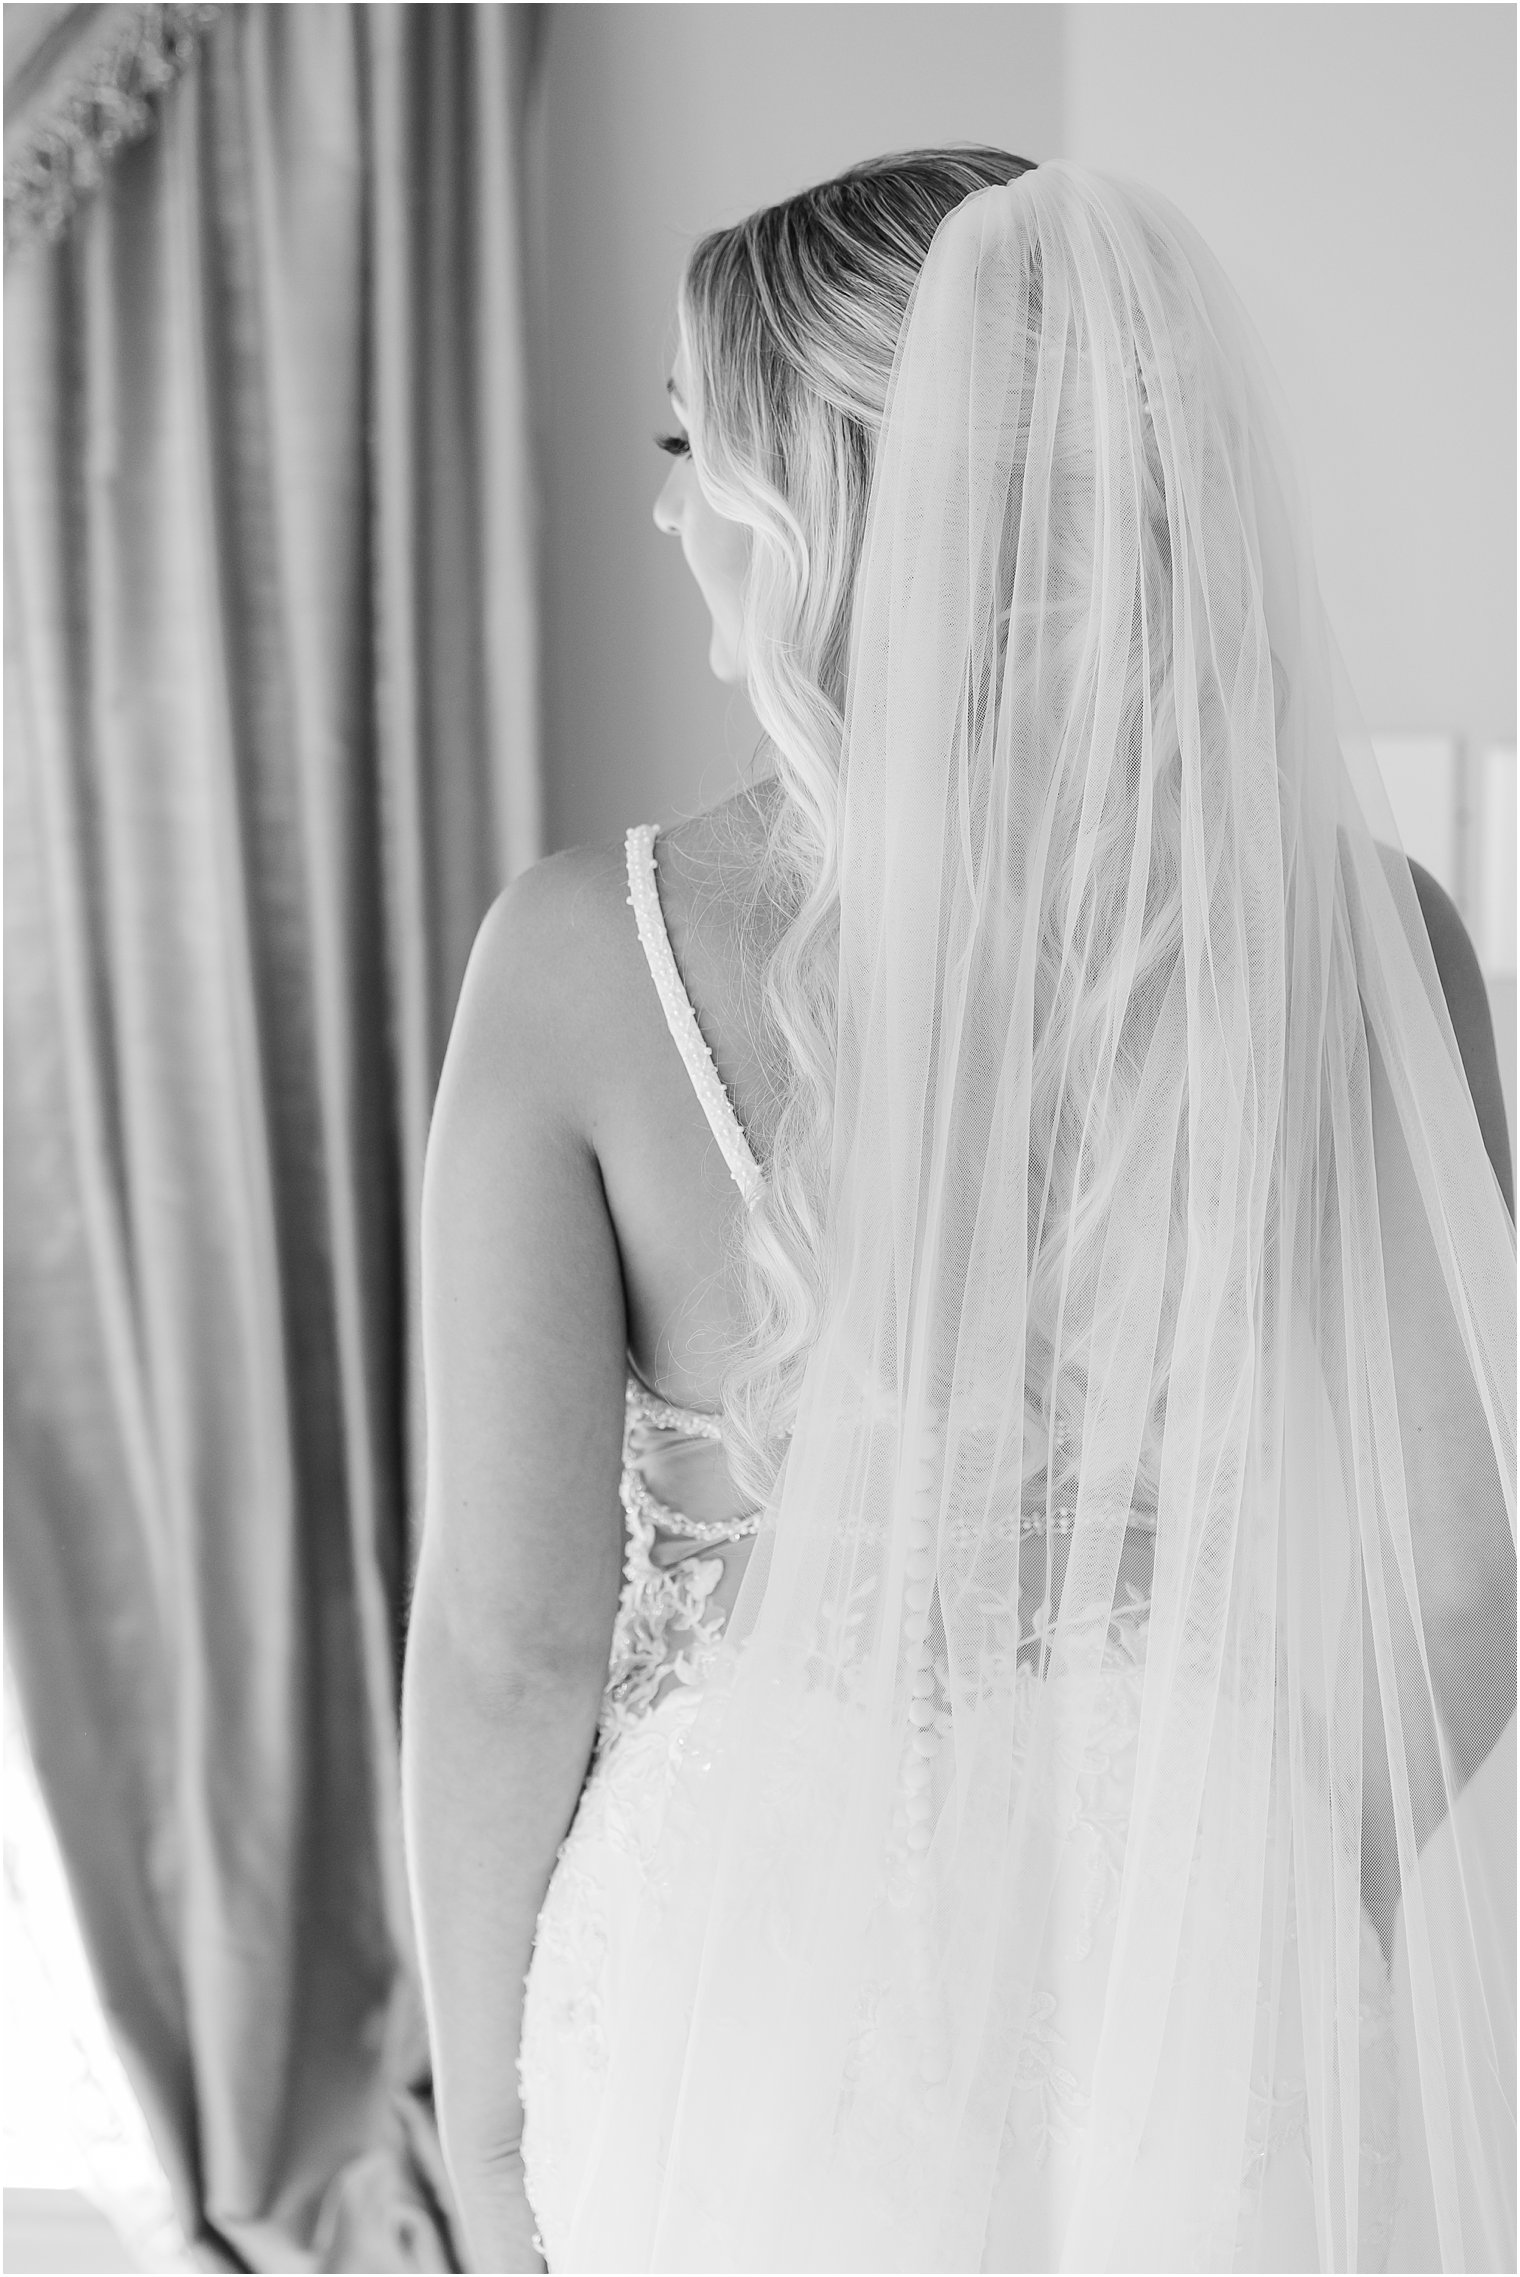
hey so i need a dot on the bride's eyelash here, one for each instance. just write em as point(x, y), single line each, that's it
point(676, 445)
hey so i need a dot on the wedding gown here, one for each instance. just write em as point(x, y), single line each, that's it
point(665, 1640)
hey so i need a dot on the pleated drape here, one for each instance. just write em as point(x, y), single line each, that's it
point(271, 714)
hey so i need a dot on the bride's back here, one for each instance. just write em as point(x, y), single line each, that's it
point(677, 1213)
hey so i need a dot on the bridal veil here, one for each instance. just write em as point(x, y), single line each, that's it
point(1146, 1097)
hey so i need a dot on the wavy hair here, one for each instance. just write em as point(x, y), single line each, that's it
point(790, 321)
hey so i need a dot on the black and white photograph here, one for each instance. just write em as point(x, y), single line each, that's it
point(759, 1102)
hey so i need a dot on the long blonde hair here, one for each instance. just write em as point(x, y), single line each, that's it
point(790, 320)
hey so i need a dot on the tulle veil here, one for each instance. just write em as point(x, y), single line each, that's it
point(1131, 977)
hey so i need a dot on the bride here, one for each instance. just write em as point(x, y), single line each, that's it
point(968, 1292)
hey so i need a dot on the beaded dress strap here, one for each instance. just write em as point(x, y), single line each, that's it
point(641, 1405)
point(645, 1406)
point(644, 899)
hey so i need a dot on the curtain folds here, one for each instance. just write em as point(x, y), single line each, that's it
point(271, 714)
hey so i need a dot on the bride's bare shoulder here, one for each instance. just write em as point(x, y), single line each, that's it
point(556, 990)
point(565, 919)
point(544, 980)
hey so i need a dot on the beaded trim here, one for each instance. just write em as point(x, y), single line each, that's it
point(641, 1405)
point(1063, 1518)
point(65, 156)
point(657, 1513)
point(644, 900)
point(664, 1414)
point(647, 1406)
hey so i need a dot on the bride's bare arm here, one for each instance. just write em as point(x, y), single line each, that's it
point(1464, 1562)
point(516, 1590)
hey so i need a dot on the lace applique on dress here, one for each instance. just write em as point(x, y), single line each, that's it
point(665, 1628)
point(665, 1641)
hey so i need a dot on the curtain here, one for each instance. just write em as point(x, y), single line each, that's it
point(271, 747)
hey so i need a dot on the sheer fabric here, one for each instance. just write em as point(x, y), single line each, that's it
point(1148, 1117)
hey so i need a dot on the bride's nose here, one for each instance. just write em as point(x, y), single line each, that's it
point(666, 518)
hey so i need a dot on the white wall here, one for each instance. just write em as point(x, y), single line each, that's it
point(1354, 170)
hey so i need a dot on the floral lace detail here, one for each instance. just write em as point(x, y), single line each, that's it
point(666, 1644)
point(578, 1983)
point(1061, 2102)
point(572, 1982)
point(1279, 2110)
point(665, 1629)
